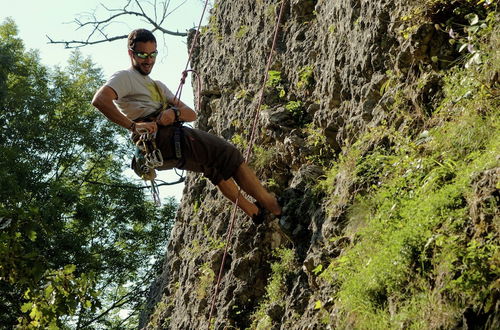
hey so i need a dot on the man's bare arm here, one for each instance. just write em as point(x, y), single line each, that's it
point(103, 100)
point(185, 113)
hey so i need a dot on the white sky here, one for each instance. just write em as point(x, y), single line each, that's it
point(36, 19)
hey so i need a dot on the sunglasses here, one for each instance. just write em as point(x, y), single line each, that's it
point(145, 55)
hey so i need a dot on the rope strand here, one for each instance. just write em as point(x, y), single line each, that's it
point(190, 56)
point(247, 157)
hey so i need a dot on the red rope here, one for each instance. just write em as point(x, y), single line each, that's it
point(198, 87)
point(186, 71)
point(247, 157)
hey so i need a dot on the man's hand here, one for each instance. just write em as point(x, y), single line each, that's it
point(146, 127)
point(166, 117)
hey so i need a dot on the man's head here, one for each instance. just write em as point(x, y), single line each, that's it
point(142, 50)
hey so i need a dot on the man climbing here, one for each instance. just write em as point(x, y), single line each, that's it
point(131, 99)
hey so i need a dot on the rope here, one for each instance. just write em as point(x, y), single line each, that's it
point(178, 93)
point(198, 88)
point(247, 157)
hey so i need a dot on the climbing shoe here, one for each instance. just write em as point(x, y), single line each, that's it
point(259, 218)
point(261, 215)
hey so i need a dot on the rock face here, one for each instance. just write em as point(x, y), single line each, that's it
point(331, 59)
point(330, 65)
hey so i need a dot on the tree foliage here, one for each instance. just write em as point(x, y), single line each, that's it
point(72, 252)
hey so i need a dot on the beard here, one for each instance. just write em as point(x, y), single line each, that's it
point(143, 68)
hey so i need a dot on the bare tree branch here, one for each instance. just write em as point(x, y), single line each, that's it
point(138, 290)
point(125, 186)
point(154, 14)
point(117, 304)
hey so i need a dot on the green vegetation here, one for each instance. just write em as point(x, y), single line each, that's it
point(213, 27)
point(262, 157)
point(242, 94)
point(213, 243)
point(274, 78)
point(242, 31)
point(78, 242)
point(205, 281)
point(240, 141)
point(296, 108)
point(156, 320)
point(275, 81)
point(275, 289)
point(270, 12)
point(424, 235)
point(305, 77)
point(413, 250)
point(321, 152)
point(391, 80)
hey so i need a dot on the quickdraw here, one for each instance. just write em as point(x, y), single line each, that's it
point(146, 145)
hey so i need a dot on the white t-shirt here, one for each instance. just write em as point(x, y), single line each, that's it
point(138, 95)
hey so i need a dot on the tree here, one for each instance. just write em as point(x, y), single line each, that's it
point(77, 240)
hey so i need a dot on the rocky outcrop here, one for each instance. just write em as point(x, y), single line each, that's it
point(330, 67)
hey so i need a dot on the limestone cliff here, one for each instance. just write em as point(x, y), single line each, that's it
point(355, 95)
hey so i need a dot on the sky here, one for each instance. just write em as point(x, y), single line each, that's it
point(37, 19)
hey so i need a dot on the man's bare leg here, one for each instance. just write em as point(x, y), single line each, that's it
point(248, 181)
point(231, 191)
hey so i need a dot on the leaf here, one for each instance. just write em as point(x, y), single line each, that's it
point(32, 235)
point(35, 314)
point(27, 293)
point(53, 326)
point(34, 324)
point(318, 304)
point(472, 18)
point(473, 29)
point(475, 59)
point(384, 86)
point(452, 34)
point(318, 269)
point(26, 307)
point(69, 269)
point(48, 291)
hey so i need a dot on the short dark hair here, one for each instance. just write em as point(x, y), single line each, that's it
point(140, 35)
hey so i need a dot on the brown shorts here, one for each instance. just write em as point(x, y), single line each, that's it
point(202, 152)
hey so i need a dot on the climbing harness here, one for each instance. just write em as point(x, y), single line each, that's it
point(247, 156)
point(177, 142)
